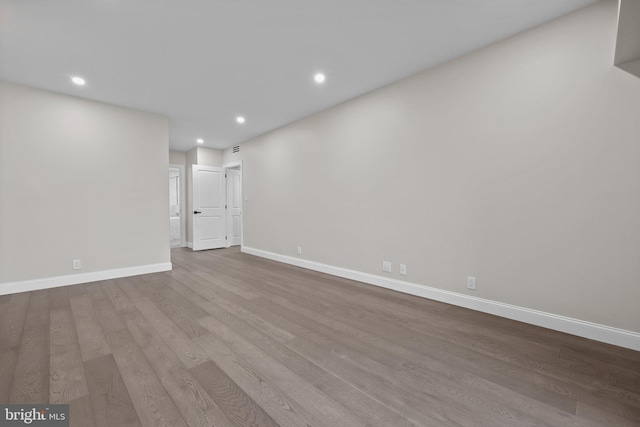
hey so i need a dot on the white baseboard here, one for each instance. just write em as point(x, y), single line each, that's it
point(190, 245)
point(581, 328)
point(74, 279)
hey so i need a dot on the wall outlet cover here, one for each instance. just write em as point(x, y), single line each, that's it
point(386, 266)
point(471, 283)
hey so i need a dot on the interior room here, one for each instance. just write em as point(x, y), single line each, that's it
point(389, 213)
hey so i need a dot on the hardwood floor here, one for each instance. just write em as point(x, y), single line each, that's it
point(228, 339)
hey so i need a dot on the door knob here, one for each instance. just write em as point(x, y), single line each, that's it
point(197, 212)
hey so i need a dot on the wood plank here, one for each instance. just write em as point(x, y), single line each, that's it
point(108, 318)
point(81, 413)
point(119, 299)
point(362, 405)
point(347, 341)
point(8, 359)
point(12, 319)
point(60, 298)
point(420, 410)
point(572, 384)
point(193, 402)
point(623, 357)
point(76, 290)
point(238, 407)
point(189, 353)
point(177, 308)
point(481, 340)
point(303, 367)
point(285, 411)
point(151, 400)
point(424, 344)
point(110, 399)
point(443, 357)
point(629, 381)
point(68, 380)
point(230, 283)
point(4, 299)
point(404, 335)
point(591, 414)
point(128, 286)
point(90, 335)
point(319, 405)
point(390, 354)
point(31, 379)
point(62, 330)
point(232, 304)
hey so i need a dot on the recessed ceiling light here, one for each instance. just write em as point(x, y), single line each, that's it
point(200, 141)
point(78, 80)
point(240, 119)
point(319, 78)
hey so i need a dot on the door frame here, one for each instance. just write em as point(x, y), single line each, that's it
point(183, 203)
point(236, 165)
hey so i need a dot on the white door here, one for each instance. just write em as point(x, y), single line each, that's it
point(209, 228)
point(234, 207)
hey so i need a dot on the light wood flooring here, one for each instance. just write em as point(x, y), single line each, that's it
point(228, 339)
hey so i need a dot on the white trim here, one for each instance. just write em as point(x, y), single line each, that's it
point(74, 279)
point(190, 245)
point(233, 165)
point(581, 328)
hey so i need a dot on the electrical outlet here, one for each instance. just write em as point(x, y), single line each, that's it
point(386, 266)
point(299, 250)
point(403, 269)
point(471, 283)
point(77, 265)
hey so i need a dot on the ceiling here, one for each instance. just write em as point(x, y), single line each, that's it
point(204, 62)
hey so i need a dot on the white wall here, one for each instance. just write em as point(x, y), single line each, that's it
point(177, 157)
point(79, 180)
point(518, 164)
point(209, 156)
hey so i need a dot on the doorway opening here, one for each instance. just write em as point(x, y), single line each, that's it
point(233, 174)
point(176, 208)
